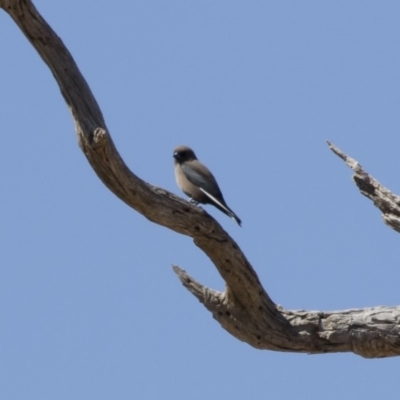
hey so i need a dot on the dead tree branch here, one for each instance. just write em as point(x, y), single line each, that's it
point(382, 197)
point(244, 309)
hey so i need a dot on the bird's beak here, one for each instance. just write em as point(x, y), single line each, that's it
point(175, 155)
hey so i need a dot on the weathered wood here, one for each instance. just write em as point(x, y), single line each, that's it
point(244, 309)
point(382, 197)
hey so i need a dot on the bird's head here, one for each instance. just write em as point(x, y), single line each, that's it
point(184, 153)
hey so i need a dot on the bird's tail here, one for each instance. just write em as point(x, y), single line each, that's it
point(223, 207)
point(226, 210)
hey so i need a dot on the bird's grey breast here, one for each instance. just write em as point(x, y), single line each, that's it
point(187, 187)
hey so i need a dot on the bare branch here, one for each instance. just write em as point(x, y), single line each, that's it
point(382, 197)
point(244, 309)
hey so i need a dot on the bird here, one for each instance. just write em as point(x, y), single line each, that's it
point(197, 181)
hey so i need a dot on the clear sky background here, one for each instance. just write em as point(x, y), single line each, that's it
point(89, 305)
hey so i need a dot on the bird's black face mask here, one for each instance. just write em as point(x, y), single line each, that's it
point(180, 156)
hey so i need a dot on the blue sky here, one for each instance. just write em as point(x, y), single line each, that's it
point(89, 304)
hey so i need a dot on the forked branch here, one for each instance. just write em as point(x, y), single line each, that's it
point(244, 309)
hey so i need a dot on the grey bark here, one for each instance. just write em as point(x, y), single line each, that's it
point(244, 309)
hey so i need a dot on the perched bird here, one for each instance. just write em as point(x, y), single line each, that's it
point(197, 182)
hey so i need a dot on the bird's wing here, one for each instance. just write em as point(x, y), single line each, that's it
point(217, 202)
point(201, 177)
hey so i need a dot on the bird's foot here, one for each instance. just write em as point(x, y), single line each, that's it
point(193, 201)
